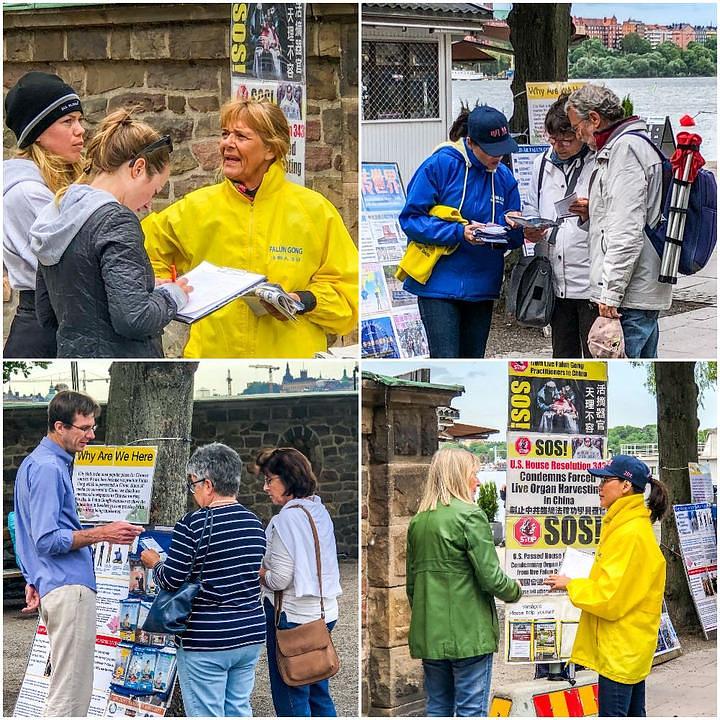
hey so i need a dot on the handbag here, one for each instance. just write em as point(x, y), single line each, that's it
point(305, 654)
point(170, 611)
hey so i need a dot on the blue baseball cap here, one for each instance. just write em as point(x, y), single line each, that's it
point(488, 128)
point(625, 467)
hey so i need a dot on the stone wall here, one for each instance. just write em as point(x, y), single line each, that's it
point(172, 61)
point(399, 436)
point(321, 425)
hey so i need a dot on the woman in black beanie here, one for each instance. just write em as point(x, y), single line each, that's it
point(44, 113)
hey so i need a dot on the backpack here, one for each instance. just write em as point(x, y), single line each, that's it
point(531, 297)
point(700, 233)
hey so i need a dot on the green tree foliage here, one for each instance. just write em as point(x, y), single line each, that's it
point(12, 367)
point(488, 500)
point(629, 435)
point(591, 59)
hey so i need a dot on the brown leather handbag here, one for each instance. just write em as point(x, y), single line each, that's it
point(305, 654)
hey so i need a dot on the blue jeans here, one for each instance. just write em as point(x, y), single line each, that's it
point(455, 328)
point(617, 699)
point(640, 328)
point(304, 701)
point(458, 687)
point(218, 683)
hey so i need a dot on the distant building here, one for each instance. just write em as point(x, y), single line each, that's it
point(657, 34)
point(302, 383)
point(605, 29)
point(682, 35)
point(704, 33)
point(16, 397)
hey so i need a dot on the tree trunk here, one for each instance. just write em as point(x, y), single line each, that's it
point(677, 398)
point(540, 35)
point(155, 400)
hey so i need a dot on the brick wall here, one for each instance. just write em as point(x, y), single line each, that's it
point(172, 60)
point(322, 425)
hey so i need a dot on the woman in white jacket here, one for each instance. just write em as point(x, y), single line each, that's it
point(290, 567)
point(565, 168)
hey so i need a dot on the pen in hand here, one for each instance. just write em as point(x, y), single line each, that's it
point(173, 273)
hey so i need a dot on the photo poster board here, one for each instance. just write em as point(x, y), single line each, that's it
point(112, 565)
point(391, 326)
point(551, 502)
point(698, 547)
point(522, 168)
point(540, 96)
point(267, 61)
point(114, 482)
point(668, 641)
point(701, 487)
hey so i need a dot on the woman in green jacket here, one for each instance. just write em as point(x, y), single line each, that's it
point(453, 575)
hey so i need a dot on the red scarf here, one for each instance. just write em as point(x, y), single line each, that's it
point(602, 136)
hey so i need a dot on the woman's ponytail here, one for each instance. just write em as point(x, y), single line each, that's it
point(658, 500)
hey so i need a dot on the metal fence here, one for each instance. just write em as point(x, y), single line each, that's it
point(400, 80)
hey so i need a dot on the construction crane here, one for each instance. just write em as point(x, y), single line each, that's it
point(269, 368)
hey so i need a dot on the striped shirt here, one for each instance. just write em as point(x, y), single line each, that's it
point(226, 613)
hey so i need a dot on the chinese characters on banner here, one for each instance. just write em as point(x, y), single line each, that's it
point(267, 61)
point(557, 430)
point(698, 546)
point(98, 472)
point(113, 566)
point(391, 325)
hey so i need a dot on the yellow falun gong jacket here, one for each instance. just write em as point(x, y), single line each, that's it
point(622, 599)
point(290, 234)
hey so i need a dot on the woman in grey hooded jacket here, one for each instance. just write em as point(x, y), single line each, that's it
point(95, 282)
point(44, 113)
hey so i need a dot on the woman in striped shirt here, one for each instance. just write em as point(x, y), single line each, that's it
point(290, 566)
point(220, 648)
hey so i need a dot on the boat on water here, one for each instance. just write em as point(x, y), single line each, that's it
point(462, 74)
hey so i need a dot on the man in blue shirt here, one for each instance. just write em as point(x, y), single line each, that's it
point(54, 554)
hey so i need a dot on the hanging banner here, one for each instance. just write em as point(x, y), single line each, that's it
point(540, 96)
point(558, 397)
point(698, 546)
point(552, 508)
point(701, 487)
point(391, 325)
point(113, 572)
point(114, 482)
point(267, 62)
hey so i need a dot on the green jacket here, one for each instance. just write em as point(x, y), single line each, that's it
point(453, 574)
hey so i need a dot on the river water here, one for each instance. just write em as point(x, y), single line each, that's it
point(651, 97)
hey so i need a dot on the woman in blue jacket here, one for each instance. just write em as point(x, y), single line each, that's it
point(456, 301)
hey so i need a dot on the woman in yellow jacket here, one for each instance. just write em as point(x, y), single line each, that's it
point(621, 601)
point(257, 220)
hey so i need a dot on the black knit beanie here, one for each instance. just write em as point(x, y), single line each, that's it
point(35, 102)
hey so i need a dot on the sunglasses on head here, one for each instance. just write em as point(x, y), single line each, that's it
point(164, 142)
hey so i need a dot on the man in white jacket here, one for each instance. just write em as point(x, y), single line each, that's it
point(625, 195)
point(565, 168)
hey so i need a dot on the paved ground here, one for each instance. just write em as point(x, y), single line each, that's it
point(18, 632)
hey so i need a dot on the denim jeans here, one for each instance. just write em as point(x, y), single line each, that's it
point(458, 687)
point(455, 328)
point(640, 328)
point(305, 701)
point(218, 683)
point(617, 699)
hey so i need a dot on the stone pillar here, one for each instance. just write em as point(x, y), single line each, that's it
point(399, 435)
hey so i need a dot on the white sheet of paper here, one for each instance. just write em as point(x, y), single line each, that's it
point(576, 563)
point(562, 207)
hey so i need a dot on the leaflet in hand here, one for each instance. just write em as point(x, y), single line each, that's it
point(273, 295)
point(213, 288)
point(562, 207)
point(576, 563)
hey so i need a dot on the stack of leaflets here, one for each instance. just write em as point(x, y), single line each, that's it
point(215, 286)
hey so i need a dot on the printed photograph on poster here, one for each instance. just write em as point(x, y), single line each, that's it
point(520, 641)
point(411, 334)
point(377, 338)
point(667, 637)
point(381, 187)
point(550, 400)
point(99, 470)
point(268, 40)
point(399, 297)
point(290, 99)
point(545, 641)
point(373, 291)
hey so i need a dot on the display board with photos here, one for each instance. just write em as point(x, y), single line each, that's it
point(122, 657)
point(267, 61)
point(553, 514)
point(391, 325)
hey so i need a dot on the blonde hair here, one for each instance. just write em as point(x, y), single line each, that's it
point(266, 119)
point(448, 477)
point(55, 171)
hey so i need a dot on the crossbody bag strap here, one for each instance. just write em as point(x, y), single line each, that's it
point(209, 515)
